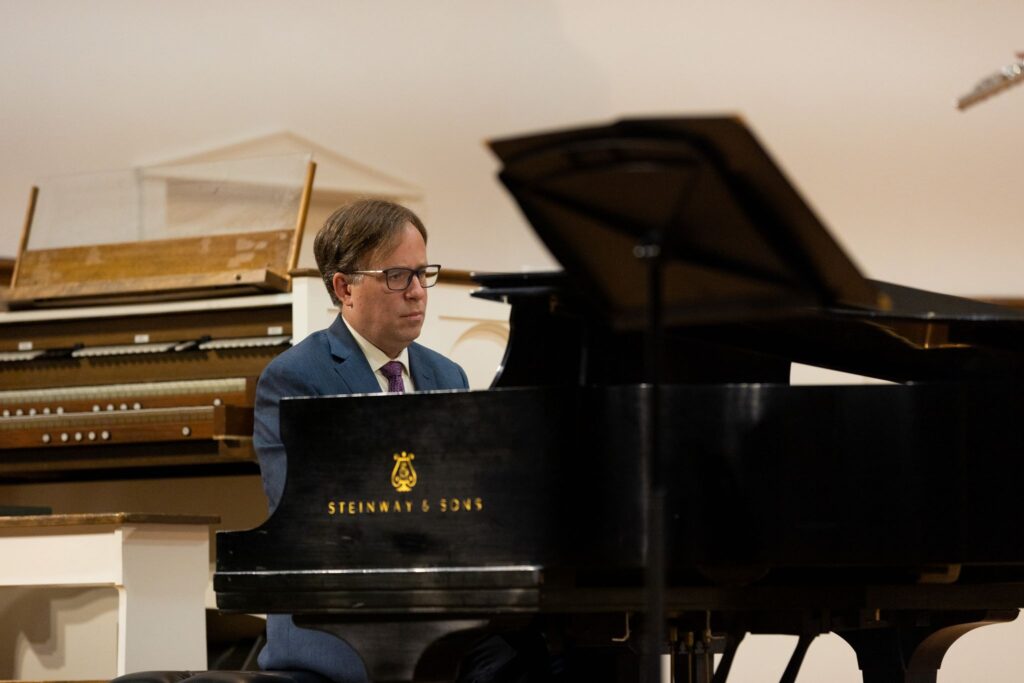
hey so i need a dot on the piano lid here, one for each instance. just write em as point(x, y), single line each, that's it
point(737, 238)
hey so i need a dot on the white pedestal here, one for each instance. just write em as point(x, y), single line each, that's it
point(159, 565)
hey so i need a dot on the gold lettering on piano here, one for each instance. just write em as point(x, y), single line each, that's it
point(403, 479)
point(384, 506)
point(461, 504)
point(368, 507)
point(403, 476)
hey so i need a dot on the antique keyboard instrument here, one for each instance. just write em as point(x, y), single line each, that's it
point(139, 357)
point(135, 390)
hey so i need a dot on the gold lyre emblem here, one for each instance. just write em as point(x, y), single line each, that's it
point(403, 476)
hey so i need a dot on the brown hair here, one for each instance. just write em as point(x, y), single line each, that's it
point(356, 232)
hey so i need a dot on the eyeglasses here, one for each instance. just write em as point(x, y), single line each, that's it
point(399, 279)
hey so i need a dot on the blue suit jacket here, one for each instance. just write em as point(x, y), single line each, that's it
point(327, 363)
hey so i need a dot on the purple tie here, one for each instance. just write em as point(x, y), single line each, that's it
point(393, 371)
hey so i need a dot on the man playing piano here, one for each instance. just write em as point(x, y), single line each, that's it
point(373, 258)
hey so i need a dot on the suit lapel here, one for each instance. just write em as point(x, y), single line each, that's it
point(421, 370)
point(350, 363)
point(352, 369)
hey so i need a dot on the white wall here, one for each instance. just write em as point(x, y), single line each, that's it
point(854, 99)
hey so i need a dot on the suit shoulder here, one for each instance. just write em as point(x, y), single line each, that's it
point(312, 350)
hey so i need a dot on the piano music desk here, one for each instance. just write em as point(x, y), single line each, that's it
point(159, 564)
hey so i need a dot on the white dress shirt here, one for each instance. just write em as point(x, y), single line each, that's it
point(377, 358)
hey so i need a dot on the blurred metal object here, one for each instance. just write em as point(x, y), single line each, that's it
point(1009, 75)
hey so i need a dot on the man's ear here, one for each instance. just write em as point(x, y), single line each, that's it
point(342, 289)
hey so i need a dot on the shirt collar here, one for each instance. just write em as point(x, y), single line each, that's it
point(374, 356)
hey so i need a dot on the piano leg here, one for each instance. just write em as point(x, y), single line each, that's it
point(694, 661)
point(796, 660)
point(732, 645)
point(909, 648)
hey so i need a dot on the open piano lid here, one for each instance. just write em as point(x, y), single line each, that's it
point(740, 245)
point(737, 238)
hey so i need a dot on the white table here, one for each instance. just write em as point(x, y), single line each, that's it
point(159, 564)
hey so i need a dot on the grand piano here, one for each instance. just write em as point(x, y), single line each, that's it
point(641, 474)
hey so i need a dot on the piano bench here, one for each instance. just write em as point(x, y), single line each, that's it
point(222, 677)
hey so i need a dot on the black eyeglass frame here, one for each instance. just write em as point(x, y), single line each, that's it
point(420, 273)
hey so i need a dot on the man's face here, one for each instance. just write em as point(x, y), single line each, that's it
point(388, 319)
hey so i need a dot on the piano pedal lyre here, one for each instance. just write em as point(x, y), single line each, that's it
point(692, 654)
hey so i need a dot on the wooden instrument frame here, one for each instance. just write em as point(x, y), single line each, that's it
point(153, 270)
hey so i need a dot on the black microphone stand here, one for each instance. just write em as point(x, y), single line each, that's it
point(653, 488)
